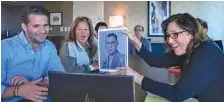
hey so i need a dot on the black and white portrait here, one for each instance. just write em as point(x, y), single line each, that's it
point(113, 49)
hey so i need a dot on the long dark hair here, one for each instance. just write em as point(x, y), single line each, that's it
point(72, 34)
point(190, 24)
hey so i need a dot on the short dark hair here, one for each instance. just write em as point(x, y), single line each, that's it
point(33, 9)
point(203, 23)
point(140, 26)
point(99, 24)
point(112, 34)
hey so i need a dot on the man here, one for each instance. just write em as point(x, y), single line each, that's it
point(100, 25)
point(203, 24)
point(115, 58)
point(27, 58)
point(138, 33)
point(205, 28)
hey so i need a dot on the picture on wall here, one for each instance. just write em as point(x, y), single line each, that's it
point(113, 49)
point(158, 11)
point(56, 19)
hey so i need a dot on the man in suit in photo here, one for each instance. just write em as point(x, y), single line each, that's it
point(115, 58)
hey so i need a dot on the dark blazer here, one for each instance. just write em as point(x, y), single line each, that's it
point(202, 76)
point(117, 61)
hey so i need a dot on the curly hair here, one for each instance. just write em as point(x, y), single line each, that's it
point(72, 34)
point(190, 24)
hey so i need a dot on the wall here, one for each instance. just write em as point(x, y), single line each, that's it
point(11, 22)
point(136, 13)
point(90, 9)
point(210, 11)
point(11, 14)
point(60, 6)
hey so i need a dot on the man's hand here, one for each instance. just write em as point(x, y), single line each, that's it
point(18, 80)
point(44, 83)
point(32, 91)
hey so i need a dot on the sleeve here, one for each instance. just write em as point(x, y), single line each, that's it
point(122, 60)
point(203, 70)
point(129, 48)
point(147, 45)
point(54, 63)
point(91, 67)
point(159, 60)
point(69, 61)
point(4, 63)
point(104, 63)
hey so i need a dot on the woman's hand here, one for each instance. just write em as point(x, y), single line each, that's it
point(127, 32)
point(95, 65)
point(128, 71)
point(132, 37)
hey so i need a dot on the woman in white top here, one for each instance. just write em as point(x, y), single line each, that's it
point(79, 52)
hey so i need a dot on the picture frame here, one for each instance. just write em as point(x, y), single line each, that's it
point(55, 18)
point(119, 52)
point(158, 11)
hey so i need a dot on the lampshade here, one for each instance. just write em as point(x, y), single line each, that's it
point(115, 21)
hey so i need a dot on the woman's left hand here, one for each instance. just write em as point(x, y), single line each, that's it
point(128, 71)
point(95, 65)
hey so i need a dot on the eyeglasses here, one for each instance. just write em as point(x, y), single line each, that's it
point(173, 35)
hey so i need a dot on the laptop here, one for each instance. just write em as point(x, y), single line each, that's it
point(77, 87)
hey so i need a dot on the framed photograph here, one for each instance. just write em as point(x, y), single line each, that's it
point(113, 49)
point(56, 19)
point(157, 12)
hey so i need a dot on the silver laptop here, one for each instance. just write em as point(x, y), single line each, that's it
point(71, 87)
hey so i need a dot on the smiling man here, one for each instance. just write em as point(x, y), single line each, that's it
point(27, 58)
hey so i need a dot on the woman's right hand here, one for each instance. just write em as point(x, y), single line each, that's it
point(127, 32)
point(132, 37)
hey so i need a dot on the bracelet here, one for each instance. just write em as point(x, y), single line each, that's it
point(16, 91)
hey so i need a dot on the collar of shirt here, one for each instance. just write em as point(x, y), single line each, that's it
point(88, 46)
point(24, 40)
point(112, 54)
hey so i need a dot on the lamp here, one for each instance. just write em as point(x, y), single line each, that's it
point(115, 21)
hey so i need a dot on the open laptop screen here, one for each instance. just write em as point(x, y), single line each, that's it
point(71, 87)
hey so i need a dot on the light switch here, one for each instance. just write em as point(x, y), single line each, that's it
point(69, 29)
point(61, 29)
point(65, 29)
